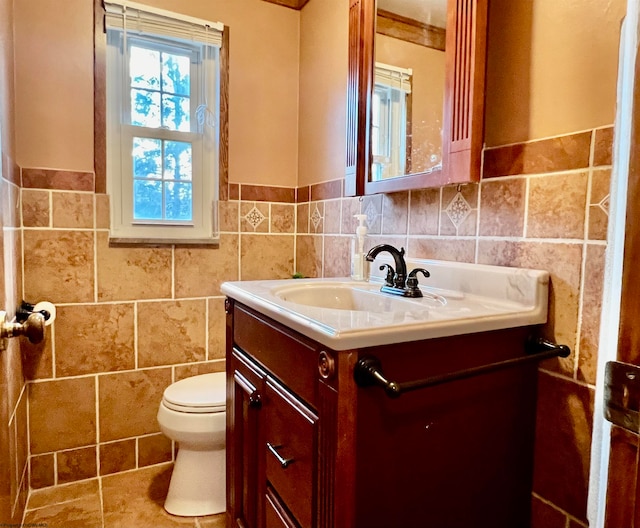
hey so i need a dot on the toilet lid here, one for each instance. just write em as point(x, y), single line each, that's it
point(205, 393)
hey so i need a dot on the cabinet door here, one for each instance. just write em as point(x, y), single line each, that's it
point(245, 463)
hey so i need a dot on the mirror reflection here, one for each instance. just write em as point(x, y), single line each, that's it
point(409, 84)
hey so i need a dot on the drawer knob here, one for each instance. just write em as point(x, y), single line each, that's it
point(284, 462)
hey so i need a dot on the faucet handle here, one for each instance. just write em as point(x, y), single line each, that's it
point(412, 282)
point(391, 273)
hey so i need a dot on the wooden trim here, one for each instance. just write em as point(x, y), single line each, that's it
point(99, 98)
point(293, 4)
point(464, 91)
point(359, 91)
point(410, 30)
point(463, 127)
point(223, 153)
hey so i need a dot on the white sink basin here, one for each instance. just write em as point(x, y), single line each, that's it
point(353, 296)
point(458, 299)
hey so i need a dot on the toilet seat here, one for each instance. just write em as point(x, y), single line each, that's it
point(205, 393)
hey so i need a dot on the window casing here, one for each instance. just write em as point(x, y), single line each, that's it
point(389, 121)
point(162, 135)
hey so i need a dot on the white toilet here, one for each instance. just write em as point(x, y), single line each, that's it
point(193, 414)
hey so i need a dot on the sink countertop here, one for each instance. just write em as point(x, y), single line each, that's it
point(478, 298)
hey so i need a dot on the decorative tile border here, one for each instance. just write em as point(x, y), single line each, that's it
point(537, 157)
point(63, 180)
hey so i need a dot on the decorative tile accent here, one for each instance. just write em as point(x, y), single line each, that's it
point(316, 218)
point(255, 217)
point(372, 211)
point(458, 209)
point(599, 206)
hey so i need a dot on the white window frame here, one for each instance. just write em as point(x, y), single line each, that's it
point(392, 86)
point(203, 228)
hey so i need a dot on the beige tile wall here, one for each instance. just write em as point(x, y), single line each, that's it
point(14, 475)
point(130, 322)
point(542, 204)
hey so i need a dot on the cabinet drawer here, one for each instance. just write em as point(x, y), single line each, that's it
point(275, 515)
point(290, 357)
point(290, 444)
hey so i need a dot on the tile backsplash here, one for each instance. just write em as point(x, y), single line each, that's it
point(133, 320)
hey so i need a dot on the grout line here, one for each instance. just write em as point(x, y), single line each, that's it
point(525, 220)
point(135, 336)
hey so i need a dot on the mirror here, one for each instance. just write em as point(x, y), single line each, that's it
point(408, 94)
point(415, 112)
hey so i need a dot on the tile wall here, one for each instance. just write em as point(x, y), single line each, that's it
point(132, 320)
point(14, 452)
point(542, 204)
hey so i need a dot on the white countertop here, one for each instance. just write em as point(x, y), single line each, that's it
point(477, 298)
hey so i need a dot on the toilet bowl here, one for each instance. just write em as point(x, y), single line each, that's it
point(192, 413)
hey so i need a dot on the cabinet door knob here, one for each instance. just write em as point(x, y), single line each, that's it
point(255, 400)
point(284, 462)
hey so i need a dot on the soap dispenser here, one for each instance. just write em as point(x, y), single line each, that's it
point(359, 265)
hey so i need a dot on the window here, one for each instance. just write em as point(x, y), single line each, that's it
point(162, 125)
point(389, 121)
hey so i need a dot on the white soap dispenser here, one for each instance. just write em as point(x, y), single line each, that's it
point(359, 264)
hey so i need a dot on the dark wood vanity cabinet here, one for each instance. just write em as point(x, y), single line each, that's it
point(307, 447)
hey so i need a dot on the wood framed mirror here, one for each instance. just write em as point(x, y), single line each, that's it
point(402, 149)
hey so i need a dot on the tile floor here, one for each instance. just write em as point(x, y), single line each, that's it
point(132, 499)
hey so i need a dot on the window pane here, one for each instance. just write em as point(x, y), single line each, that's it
point(145, 108)
point(147, 200)
point(178, 201)
point(176, 72)
point(175, 113)
point(147, 158)
point(177, 160)
point(144, 68)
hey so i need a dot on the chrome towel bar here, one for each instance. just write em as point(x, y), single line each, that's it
point(368, 369)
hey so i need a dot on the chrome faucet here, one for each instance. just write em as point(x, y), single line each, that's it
point(396, 281)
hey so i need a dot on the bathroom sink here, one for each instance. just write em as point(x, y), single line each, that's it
point(353, 296)
point(458, 298)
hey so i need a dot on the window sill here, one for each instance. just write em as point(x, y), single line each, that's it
point(164, 242)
